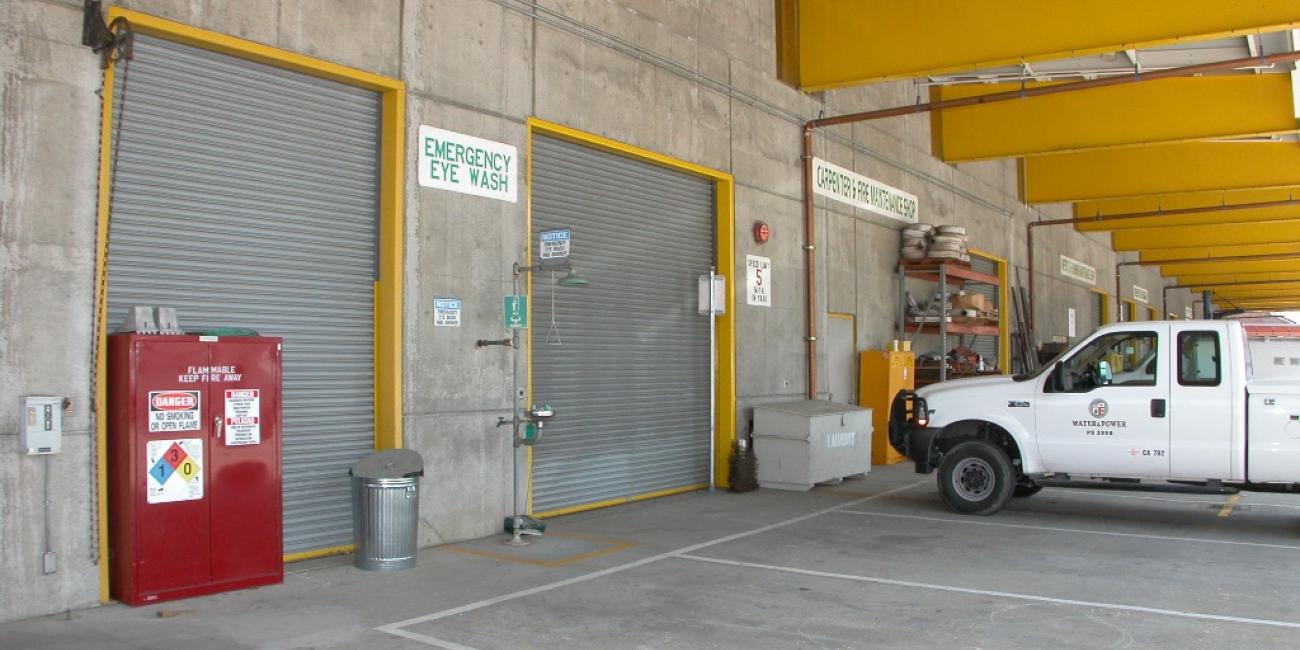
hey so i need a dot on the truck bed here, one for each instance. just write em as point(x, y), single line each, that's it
point(1273, 431)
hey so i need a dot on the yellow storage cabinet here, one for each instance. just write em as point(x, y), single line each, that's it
point(881, 374)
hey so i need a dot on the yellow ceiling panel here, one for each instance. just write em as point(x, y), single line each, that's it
point(1223, 278)
point(1264, 232)
point(839, 43)
point(1191, 208)
point(1218, 252)
point(1159, 169)
point(1229, 267)
point(1112, 116)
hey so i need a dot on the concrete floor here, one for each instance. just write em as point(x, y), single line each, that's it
point(875, 562)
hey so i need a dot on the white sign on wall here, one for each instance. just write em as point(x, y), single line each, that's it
point(466, 164)
point(758, 280)
point(1072, 268)
point(1070, 317)
point(1141, 295)
point(1189, 312)
point(446, 312)
point(837, 183)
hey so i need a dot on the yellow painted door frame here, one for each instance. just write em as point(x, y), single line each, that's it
point(1128, 310)
point(724, 234)
point(1105, 305)
point(388, 288)
point(1004, 310)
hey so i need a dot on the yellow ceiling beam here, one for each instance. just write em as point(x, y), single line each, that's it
point(1226, 234)
point(1111, 116)
point(1190, 208)
point(1254, 290)
point(1223, 278)
point(837, 43)
point(1285, 303)
point(1214, 253)
point(1159, 169)
point(1229, 267)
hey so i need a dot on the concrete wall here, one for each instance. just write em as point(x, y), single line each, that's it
point(694, 80)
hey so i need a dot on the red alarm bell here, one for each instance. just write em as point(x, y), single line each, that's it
point(762, 232)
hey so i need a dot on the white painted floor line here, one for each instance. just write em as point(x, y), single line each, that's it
point(394, 628)
point(1219, 502)
point(998, 594)
point(1163, 538)
point(426, 639)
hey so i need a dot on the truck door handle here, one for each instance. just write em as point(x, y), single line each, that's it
point(1157, 408)
point(216, 426)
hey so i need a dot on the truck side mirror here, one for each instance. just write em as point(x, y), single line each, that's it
point(1104, 374)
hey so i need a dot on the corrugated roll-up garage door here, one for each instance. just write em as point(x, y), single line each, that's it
point(627, 363)
point(986, 346)
point(247, 196)
point(1098, 308)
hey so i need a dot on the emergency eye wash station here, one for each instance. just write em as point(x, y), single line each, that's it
point(527, 426)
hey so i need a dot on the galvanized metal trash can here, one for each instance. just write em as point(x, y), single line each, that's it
point(386, 509)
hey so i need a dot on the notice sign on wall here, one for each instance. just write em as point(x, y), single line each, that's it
point(840, 184)
point(1141, 295)
point(174, 410)
point(1188, 312)
point(243, 416)
point(466, 164)
point(758, 280)
point(554, 244)
point(175, 469)
point(446, 312)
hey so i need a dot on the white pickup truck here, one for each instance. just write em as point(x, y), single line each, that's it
point(1168, 400)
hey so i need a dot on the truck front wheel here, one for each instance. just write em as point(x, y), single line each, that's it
point(976, 478)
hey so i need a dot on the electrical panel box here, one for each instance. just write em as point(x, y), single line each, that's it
point(194, 451)
point(40, 429)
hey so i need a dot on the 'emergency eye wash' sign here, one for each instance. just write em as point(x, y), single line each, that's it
point(174, 410)
point(175, 469)
point(845, 186)
point(466, 164)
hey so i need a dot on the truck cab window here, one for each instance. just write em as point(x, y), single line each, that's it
point(1119, 359)
point(1198, 359)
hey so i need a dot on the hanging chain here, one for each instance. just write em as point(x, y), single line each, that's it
point(119, 51)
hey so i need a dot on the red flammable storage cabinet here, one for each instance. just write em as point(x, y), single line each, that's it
point(194, 465)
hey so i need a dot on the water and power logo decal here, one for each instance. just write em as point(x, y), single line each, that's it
point(1098, 408)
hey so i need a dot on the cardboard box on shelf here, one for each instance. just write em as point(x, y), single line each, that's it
point(974, 301)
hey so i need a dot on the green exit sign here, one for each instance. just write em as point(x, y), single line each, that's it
point(514, 312)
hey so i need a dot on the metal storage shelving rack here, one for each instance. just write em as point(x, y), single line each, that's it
point(945, 273)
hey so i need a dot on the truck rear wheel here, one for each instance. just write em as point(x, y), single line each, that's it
point(976, 478)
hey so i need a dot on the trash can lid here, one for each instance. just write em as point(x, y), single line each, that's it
point(390, 463)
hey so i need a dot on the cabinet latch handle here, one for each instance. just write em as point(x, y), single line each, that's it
point(216, 426)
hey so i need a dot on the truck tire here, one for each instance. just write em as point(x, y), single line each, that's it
point(976, 478)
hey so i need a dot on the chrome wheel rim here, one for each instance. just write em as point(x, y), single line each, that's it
point(973, 479)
